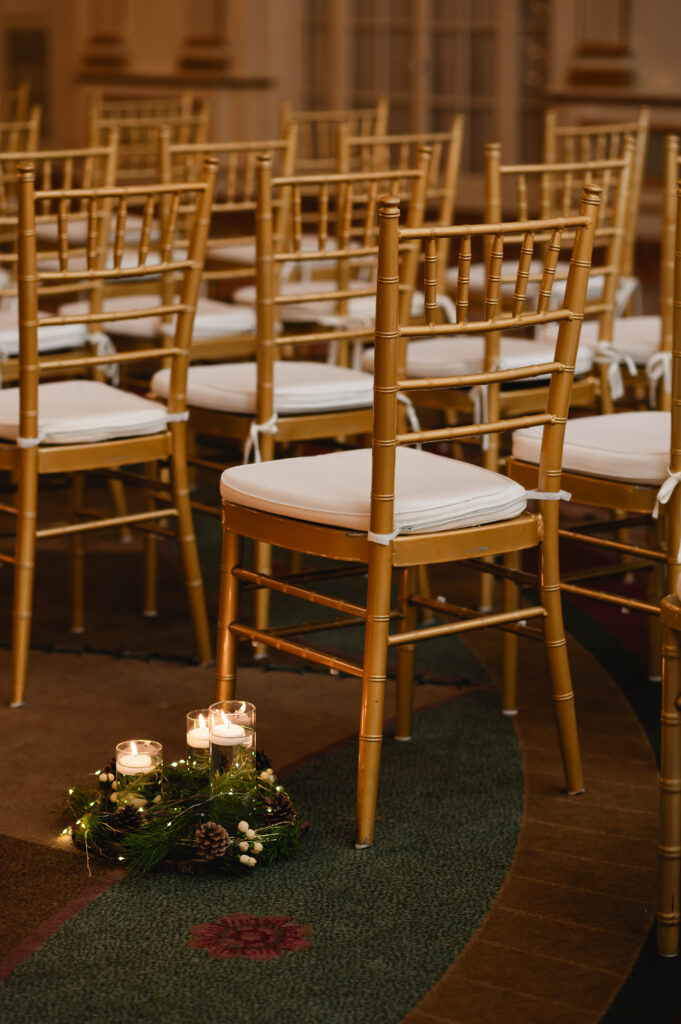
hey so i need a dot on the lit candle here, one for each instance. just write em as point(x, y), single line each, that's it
point(227, 733)
point(133, 763)
point(197, 735)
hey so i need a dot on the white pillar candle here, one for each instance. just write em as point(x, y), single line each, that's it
point(198, 737)
point(133, 764)
point(227, 733)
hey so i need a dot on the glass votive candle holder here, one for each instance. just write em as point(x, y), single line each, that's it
point(198, 736)
point(232, 735)
point(138, 765)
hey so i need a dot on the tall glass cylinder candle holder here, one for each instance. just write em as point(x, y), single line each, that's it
point(232, 736)
point(138, 767)
point(198, 733)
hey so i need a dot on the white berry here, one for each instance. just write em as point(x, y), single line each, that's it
point(257, 847)
point(245, 859)
point(243, 826)
point(250, 833)
point(251, 862)
point(110, 776)
point(113, 797)
point(114, 785)
point(103, 777)
point(243, 847)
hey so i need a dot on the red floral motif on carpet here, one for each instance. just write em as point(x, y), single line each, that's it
point(255, 938)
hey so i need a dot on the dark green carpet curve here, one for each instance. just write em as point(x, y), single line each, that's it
point(386, 922)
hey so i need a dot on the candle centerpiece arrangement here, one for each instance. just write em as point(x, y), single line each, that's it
point(219, 809)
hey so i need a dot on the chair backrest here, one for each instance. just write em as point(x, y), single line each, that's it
point(103, 265)
point(53, 168)
point(599, 141)
point(317, 131)
point(393, 331)
point(234, 201)
point(554, 189)
point(346, 239)
point(15, 103)
point(21, 135)
point(378, 152)
point(138, 140)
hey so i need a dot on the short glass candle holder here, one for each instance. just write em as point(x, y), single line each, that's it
point(198, 736)
point(138, 767)
point(232, 736)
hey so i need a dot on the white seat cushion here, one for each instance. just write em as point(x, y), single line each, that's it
point(212, 318)
point(50, 339)
point(432, 492)
point(243, 253)
point(81, 411)
point(638, 337)
point(299, 387)
point(623, 446)
point(443, 357)
point(5, 277)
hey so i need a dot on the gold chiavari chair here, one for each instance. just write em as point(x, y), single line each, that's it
point(669, 847)
point(67, 169)
point(618, 463)
point(23, 135)
point(294, 400)
point(77, 426)
point(394, 507)
point(317, 131)
point(138, 140)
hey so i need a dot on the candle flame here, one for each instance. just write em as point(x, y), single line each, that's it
point(242, 709)
point(133, 747)
point(202, 722)
point(225, 720)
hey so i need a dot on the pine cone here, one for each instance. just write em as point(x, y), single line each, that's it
point(262, 761)
point(211, 840)
point(128, 819)
point(282, 807)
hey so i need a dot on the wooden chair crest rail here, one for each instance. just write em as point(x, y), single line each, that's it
point(396, 507)
point(15, 103)
point(75, 426)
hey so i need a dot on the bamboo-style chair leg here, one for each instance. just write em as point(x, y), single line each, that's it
point(656, 591)
point(120, 504)
point(298, 449)
point(263, 565)
point(77, 557)
point(511, 593)
point(373, 691)
point(556, 650)
point(225, 654)
point(669, 847)
point(187, 542)
point(405, 654)
point(24, 570)
point(150, 602)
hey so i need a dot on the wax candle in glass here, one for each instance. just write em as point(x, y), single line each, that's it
point(198, 736)
point(232, 735)
point(138, 764)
